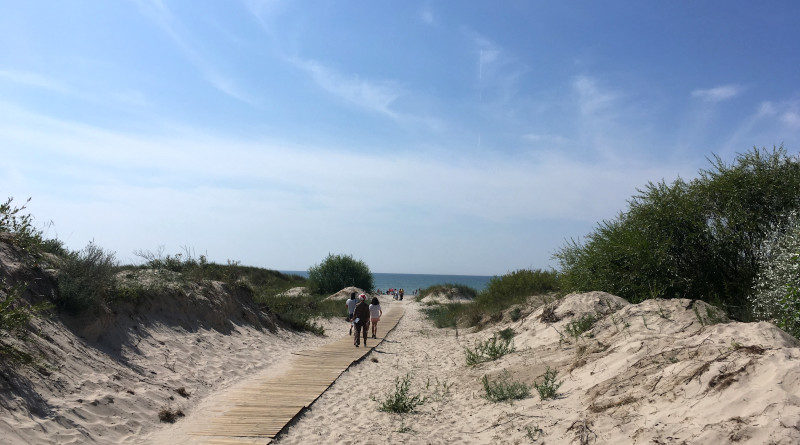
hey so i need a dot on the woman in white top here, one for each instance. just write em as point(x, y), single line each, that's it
point(375, 313)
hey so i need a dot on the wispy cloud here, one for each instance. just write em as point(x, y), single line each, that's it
point(36, 80)
point(376, 96)
point(546, 138)
point(161, 15)
point(717, 94)
point(427, 17)
point(591, 98)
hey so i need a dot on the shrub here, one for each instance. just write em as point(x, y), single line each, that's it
point(337, 272)
point(86, 279)
point(446, 288)
point(501, 293)
point(17, 223)
point(402, 400)
point(15, 313)
point(504, 389)
point(548, 387)
point(488, 350)
point(198, 269)
point(776, 294)
point(694, 239)
point(507, 334)
point(514, 287)
point(298, 312)
point(443, 315)
point(169, 416)
point(577, 327)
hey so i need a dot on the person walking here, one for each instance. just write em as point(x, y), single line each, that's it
point(375, 313)
point(361, 320)
point(351, 307)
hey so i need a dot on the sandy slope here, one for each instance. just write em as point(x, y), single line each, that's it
point(647, 373)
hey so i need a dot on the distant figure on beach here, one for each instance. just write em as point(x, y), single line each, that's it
point(361, 320)
point(401, 293)
point(375, 313)
point(351, 307)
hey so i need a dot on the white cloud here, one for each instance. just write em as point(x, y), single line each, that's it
point(791, 119)
point(591, 98)
point(160, 14)
point(35, 80)
point(426, 15)
point(717, 94)
point(376, 96)
point(546, 138)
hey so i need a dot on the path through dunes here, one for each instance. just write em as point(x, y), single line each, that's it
point(257, 411)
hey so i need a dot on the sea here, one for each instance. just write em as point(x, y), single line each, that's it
point(411, 281)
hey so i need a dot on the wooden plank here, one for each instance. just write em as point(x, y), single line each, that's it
point(257, 413)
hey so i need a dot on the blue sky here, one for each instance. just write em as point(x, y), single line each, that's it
point(420, 136)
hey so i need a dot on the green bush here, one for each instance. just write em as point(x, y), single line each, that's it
point(198, 269)
point(445, 288)
point(577, 327)
point(337, 272)
point(505, 389)
point(86, 279)
point(548, 387)
point(298, 312)
point(501, 293)
point(19, 225)
point(776, 294)
point(694, 239)
point(488, 350)
point(402, 400)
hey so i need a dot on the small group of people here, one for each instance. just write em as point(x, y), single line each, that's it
point(361, 316)
point(397, 294)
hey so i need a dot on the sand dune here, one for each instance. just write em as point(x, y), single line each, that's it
point(655, 372)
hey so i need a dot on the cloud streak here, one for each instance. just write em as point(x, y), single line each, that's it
point(717, 94)
point(161, 15)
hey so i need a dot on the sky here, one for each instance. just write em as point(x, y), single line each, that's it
point(419, 136)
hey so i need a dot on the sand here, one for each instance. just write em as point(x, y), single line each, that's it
point(646, 373)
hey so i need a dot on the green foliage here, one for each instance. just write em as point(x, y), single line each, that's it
point(776, 294)
point(337, 272)
point(298, 312)
point(577, 327)
point(86, 279)
point(444, 315)
point(514, 287)
point(505, 389)
point(15, 312)
point(17, 223)
point(402, 400)
point(694, 239)
point(197, 269)
point(515, 314)
point(488, 350)
point(446, 288)
point(501, 293)
point(506, 334)
point(548, 387)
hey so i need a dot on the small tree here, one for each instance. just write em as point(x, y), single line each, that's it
point(776, 293)
point(337, 272)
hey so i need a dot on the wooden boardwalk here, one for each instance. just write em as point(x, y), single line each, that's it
point(257, 413)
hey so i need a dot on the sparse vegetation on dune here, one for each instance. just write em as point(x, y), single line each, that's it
point(447, 288)
point(502, 293)
point(504, 388)
point(91, 279)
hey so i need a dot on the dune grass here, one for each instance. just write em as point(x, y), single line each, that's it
point(504, 388)
point(445, 288)
point(502, 293)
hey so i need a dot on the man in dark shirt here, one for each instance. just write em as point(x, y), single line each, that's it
point(361, 320)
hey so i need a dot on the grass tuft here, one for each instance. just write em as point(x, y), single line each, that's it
point(548, 387)
point(488, 350)
point(402, 400)
point(505, 389)
point(577, 327)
